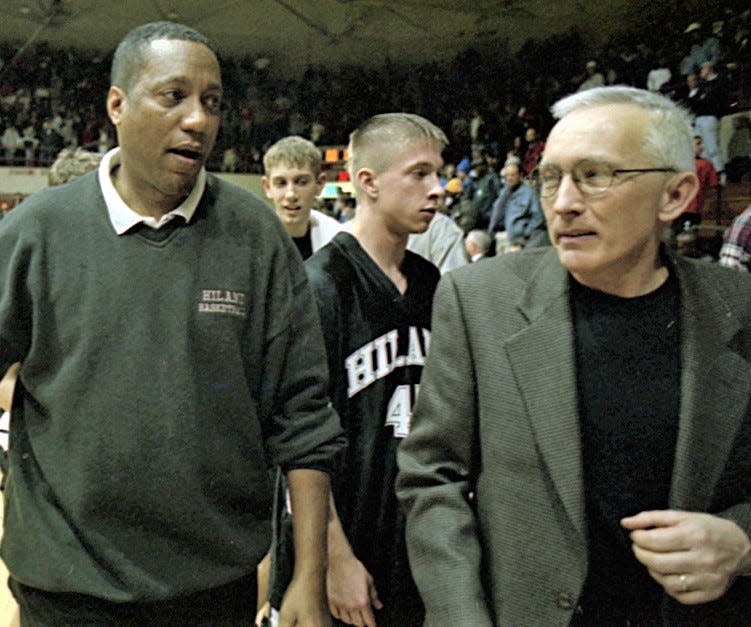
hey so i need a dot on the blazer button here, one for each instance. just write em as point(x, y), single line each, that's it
point(564, 601)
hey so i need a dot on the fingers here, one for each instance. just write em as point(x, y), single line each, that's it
point(690, 589)
point(361, 618)
point(373, 594)
point(663, 539)
point(664, 563)
point(654, 518)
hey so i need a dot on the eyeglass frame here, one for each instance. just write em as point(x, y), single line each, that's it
point(613, 174)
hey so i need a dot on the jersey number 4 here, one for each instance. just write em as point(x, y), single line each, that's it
point(399, 411)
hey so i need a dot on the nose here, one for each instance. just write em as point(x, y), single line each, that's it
point(568, 198)
point(290, 191)
point(436, 191)
point(195, 117)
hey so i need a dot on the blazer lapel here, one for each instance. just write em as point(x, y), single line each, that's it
point(715, 389)
point(543, 361)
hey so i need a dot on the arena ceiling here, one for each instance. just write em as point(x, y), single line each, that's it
point(293, 33)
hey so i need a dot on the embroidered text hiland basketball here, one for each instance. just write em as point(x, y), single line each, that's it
point(223, 302)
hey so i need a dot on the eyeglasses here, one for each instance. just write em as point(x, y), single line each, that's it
point(590, 177)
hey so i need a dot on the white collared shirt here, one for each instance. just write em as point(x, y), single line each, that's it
point(123, 217)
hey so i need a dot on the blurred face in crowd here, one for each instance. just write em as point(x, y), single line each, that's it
point(698, 146)
point(512, 175)
point(407, 190)
point(607, 237)
point(293, 190)
point(166, 124)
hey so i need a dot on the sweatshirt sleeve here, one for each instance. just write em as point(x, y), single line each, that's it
point(15, 298)
point(306, 432)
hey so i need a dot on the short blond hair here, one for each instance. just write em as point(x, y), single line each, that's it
point(375, 142)
point(72, 163)
point(293, 150)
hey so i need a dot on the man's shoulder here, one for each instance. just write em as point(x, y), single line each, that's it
point(420, 268)
point(733, 288)
point(504, 271)
point(333, 263)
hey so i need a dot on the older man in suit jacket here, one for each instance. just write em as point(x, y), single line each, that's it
point(580, 451)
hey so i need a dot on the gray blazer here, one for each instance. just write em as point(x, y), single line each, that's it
point(491, 473)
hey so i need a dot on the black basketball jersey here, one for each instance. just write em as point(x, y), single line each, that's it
point(376, 339)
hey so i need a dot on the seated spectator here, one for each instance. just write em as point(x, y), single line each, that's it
point(703, 49)
point(477, 245)
point(660, 74)
point(535, 146)
point(736, 247)
point(11, 141)
point(230, 160)
point(485, 190)
point(708, 179)
point(516, 212)
point(710, 106)
point(593, 78)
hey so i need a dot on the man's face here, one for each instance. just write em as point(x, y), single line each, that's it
point(292, 190)
point(512, 175)
point(409, 190)
point(167, 124)
point(698, 146)
point(611, 234)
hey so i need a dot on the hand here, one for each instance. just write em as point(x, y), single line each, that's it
point(695, 557)
point(263, 613)
point(304, 604)
point(351, 591)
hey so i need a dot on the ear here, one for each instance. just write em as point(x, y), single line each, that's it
point(320, 182)
point(266, 186)
point(115, 104)
point(366, 180)
point(677, 195)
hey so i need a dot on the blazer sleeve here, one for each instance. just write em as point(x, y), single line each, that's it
point(438, 462)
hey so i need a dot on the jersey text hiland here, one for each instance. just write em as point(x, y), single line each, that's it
point(379, 357)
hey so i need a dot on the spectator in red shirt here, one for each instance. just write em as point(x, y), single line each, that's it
point(535, 146)
point(708, 179)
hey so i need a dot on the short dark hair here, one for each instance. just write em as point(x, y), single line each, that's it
point(129, 57)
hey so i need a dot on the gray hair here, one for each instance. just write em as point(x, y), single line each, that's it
point(479, 238)
point(668, 140)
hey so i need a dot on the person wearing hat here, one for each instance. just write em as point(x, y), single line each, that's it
point(460, 208)
point(701, 51)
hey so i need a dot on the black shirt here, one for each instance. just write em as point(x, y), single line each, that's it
point(628, 365)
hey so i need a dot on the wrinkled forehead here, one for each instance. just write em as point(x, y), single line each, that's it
point(610, 133)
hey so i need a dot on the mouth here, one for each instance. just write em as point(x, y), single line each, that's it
point(428, 211)
point(192, 154)
point(574, 235)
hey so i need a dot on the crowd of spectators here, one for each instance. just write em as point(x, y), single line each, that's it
point(51, 99)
